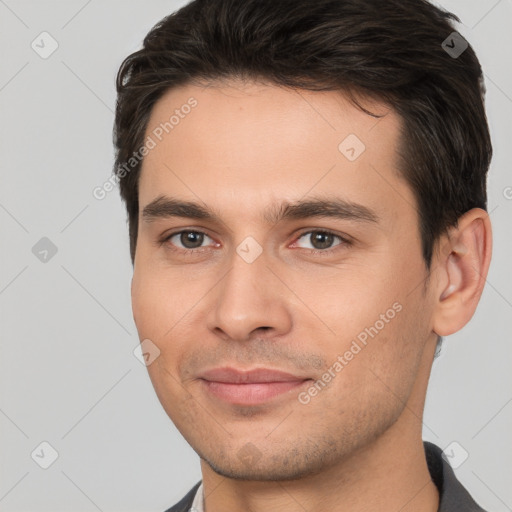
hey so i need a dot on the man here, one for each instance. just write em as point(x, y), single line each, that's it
point(305, 183)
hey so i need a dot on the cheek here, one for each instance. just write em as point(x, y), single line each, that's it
point(158, 311)
point(376, 383)
point(356, 304)
point(394, 356)
point(380, 329)
point(143, 301)
point(165, 306)
point(159, 300)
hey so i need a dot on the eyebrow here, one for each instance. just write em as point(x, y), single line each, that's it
point(165, 207)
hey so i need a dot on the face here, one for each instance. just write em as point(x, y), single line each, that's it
point(278, 276)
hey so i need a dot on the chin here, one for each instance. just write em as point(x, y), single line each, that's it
point(292, 465)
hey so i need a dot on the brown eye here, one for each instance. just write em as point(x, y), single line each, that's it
point(187, 239)
point(191, 239)
point(321, 240)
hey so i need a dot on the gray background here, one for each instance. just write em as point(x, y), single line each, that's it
point(67, 368)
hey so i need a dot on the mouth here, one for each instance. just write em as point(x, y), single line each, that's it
point(250, 387)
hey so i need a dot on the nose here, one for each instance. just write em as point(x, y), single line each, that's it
point(249, 301)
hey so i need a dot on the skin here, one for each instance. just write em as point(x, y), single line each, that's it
point(356, 445)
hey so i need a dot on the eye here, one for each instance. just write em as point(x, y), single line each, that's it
point(317, 241)
point(187, 239)
point(321, 240)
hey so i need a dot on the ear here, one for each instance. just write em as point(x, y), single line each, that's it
point(462, 266)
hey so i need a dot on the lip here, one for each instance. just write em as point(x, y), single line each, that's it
point(256, 376)
point(249, 387)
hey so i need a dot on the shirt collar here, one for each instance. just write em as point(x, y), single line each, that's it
point(197, 504)
point(452, 494)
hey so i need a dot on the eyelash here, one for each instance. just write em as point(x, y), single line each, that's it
point(344, 242)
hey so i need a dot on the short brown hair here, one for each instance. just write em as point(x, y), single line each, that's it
point(389, 50)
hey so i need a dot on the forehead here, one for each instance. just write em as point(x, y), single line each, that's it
point(238, 145)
